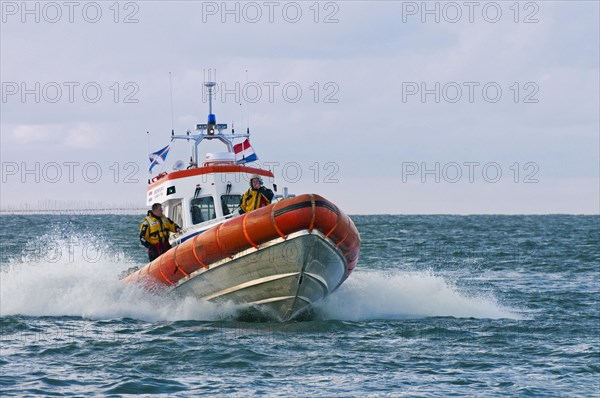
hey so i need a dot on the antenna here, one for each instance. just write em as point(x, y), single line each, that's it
point(171, 90)
point(209, 86)
point(247, 106)
point(210, 83)
point(212, 119)
point(148, 136)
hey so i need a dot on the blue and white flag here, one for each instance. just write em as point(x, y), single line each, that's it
point(244, 152)
point(158, 157)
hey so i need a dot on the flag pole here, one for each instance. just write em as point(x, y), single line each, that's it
point(171, 89)
point(247, 107)
point(148, 153)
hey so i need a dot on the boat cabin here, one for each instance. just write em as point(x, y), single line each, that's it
point(203, 194)
point(207, 192)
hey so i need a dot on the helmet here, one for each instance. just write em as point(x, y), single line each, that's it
point(253, 176)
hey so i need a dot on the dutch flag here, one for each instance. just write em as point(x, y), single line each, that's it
point(244, 152)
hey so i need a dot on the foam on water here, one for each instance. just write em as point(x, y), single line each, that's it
point(72, 283)
point(77, 278)
point(93, 290)
point(397, 295)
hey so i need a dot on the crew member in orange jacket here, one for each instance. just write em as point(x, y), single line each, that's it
point(154, 231)
point(257, 196)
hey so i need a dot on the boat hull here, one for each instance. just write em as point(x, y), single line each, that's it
point(281, 258)
point(281, 280)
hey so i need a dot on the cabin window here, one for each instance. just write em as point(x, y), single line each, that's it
point(203, 209)
point(230, 203)
point(176, 216)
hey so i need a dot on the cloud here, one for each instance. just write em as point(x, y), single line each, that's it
point(53, 136)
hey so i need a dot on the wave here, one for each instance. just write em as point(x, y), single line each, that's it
point(82, 282)
point(368, 295)
point(77, 278)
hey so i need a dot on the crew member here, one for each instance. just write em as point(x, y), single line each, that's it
point(154, 231)
point(257, 196)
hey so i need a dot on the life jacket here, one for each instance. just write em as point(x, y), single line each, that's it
point(254, 199)
point(157, 230)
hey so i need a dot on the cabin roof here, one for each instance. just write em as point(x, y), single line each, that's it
point(211, 169)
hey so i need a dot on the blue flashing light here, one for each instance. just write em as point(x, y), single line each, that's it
point(212, 119)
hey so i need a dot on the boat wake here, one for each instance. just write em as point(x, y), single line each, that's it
point(369, 295)
point(86, 283)
point(83, 284)
point(94, 291)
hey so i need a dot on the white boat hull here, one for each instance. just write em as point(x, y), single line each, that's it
point(282, 279)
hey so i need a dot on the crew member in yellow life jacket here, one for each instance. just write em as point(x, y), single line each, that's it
point(257, 196)
point(154, 231)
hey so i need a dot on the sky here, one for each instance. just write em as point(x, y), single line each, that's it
point(383, 107)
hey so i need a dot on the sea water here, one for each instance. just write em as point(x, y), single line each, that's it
point(437, 306)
